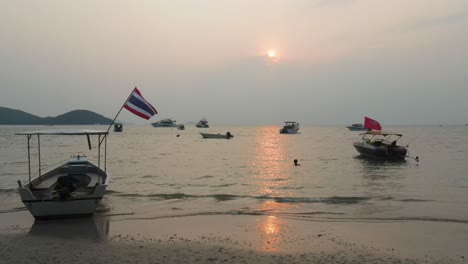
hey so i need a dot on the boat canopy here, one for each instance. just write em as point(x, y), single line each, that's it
point(381, 133)
point(64, 132)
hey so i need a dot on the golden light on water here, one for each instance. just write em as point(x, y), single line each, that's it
point(271, 225)
point(272, 173)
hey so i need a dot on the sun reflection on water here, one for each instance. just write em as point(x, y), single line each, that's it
point(272, 172)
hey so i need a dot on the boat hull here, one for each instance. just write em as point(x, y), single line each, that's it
point(357, 128)
point(62, 209)
point(163, 125)
point(380, 152)
point(49, 207)
point(289, 131)
point(218, 136)
point(72, 189)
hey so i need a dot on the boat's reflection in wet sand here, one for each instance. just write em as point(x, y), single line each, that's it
point(74, 228)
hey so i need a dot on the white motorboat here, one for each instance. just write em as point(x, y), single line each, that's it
point(202, 124)
point(74, 188)
point(290, 127)
point(165, 123)
point(228, 135)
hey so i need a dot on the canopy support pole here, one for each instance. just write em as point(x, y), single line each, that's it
point(29, 161)
point(99, 152)
point(105, 153)
point(39, 152)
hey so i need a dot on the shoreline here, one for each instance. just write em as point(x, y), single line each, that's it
point(227, 239)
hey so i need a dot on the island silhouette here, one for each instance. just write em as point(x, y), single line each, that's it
point(10, 116)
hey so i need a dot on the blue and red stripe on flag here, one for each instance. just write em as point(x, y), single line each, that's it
point(139, 106)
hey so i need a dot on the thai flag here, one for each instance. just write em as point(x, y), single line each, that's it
point(139, 106)
point(371, 124)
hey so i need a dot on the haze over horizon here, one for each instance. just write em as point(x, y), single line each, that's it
point(239, 62)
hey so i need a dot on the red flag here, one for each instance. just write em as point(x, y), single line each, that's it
point(371, 124)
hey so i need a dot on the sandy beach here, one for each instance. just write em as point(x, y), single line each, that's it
point(227, 239)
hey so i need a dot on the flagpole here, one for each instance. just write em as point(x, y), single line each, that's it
point(117, 115)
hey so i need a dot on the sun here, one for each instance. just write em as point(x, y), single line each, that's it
point(271, 54)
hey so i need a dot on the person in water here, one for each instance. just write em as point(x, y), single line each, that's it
point(296, 163)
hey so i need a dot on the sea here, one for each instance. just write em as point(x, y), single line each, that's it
point(165, 172)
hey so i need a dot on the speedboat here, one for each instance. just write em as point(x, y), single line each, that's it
point(357, 127)
point(290, 127)
point(380, 145)
point(202, 123)
point(228, 135)
point(74, 188)
point(165, 123)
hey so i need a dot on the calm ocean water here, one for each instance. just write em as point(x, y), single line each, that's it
point(156, 174)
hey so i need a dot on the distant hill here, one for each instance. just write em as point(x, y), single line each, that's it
point(10, 116)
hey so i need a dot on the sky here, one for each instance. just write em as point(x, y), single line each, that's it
point(331, 61)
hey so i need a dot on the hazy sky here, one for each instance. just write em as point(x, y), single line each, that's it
point(398, 61)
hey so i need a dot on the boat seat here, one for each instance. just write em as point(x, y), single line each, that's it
point(78, 169)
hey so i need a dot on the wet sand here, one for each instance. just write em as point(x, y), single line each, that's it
point(227, 239)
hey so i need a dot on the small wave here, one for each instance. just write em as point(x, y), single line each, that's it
point(224, 197)
point(223, 185)
point(17, 162)
point(12, 210)
point(170, 196)
point(149, 176)
point(314, 213)
point(329, 200)
point(291, 188)
point(424, 219)
point(227, 197)
point(414, 200)
point(204, 177)
point(405, 199)
point(304, 216)
point(7, 190)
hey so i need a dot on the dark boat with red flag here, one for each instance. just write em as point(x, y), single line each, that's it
point(381, 145)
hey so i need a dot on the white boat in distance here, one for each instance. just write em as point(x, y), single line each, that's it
point(202, 123)
point(165, 123)
point(290, 127)
point(228, 135)
point(74, 188)
point(357, 127)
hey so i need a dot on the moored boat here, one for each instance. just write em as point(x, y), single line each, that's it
point(202, 123)
point(290, 127)
point(228, 135)
point(74, 188)
point(118, 127)
point(381, 145)
point(357, 127)
point(165, 123)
